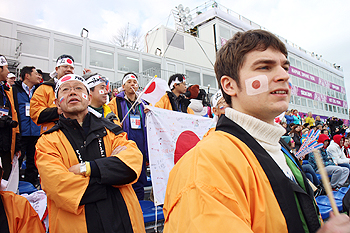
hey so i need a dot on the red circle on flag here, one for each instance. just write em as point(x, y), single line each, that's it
point(69, 61)
point(151, 88)
point(256, 84)
point(66, 78)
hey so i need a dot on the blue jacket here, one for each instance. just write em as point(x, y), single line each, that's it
point(139, 136)
point(297, 119)
point(289, 119)
point(21, 98)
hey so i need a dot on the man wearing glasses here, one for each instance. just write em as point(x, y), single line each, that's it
point(175, 99)
point(43, 110)
point(87, 166)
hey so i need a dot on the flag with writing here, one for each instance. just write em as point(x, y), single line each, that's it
point(170, 134)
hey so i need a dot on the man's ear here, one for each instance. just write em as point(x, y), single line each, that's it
point(229, 86)
point(57, 102)
point(90, 98)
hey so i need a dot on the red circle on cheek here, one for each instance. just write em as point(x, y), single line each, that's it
point(256, 84)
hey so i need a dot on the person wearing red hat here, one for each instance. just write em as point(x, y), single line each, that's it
point(335, 150)
point(339, 174)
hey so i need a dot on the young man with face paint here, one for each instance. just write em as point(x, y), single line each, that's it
point(175, 99)
point(238, 178)
point(22, 93)
point(134, 122)
point(98, 91)
point(9, 130)
point(43, 110)
point(87, 166)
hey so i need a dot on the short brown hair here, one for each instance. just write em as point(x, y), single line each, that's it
point(230, 57)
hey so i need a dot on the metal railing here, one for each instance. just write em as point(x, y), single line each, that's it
point(10, 47)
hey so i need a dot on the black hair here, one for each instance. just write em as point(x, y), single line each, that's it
point(65, 56)
point(26, 70)
point(40, 72)
point(173, 77)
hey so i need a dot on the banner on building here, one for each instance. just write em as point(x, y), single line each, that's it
point(168, 132)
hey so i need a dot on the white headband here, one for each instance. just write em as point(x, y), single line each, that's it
point(69, 77)
point(65, 62)
point(128, 77)
point(3, 61)
point(176, 81)
point(94, 81)
point(215, 98)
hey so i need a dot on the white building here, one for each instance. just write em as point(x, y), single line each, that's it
point(318, 86)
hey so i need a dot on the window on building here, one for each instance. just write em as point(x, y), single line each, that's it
point(315, 104)
point(310, 103)
point(337, 95)
point(313, 86)
point(342, 110)
point(292, 61)
point(301, 82)
point(346, 111)
point(318, 88)
point(34, 45)
point(320, 105)
point(176, 39)
point(66, 48)
point(101, 58)
point(338, 108)
point(305, 67)
point(291, 99)
point(294, 80)
point(334, 109)
point(326, 107)
point(193, 77)
point(316, 71)
point(209, 80)
point(303, 102)
point(128, 63)
point(224, 32)
point(298, 63)
point(311, 69)
point(332, 93)
point(297, 100)
point(151, 68)
point(307, 85)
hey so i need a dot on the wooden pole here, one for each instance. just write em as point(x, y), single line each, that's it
point(325, 181)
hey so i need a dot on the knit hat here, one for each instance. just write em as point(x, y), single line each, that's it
point(70, 77)
point(194, 91)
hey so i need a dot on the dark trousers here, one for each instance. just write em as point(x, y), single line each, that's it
point(6, 164)
point(28, 149)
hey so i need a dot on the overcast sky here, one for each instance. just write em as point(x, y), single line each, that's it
point(318, 26)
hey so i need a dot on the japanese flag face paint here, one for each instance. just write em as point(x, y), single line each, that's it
point(102, 92)
point(84, 96)
point(257, 85)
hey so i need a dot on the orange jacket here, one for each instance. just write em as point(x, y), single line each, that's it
point(15, 131)
point(54, 155)
point(21, 217)
point(224, 189)
point(42, 99)
point(164, 103)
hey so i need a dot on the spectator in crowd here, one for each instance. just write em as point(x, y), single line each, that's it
point(43, 110)
point(22, 93)
point(309, 119)
point(335, 150)
point(10, 80)
point(115, 92)
point(318, 121)
point(196, 99)
point(133, 123)
point(325, 131)
point(17, 215)
point(296, 117)
point(9, 130)
point(40, 75)
point(98, 92)
point(295, 133)
point(86, 166)
point(289, 117)
point(346, 147)
point(175, 99)
point(209, 190)
point(339, 175)
point(335, 126)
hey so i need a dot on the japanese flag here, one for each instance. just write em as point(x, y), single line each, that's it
point(155, 91)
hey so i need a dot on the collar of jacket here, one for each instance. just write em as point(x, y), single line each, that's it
point(282, 187)
point(50, 82)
